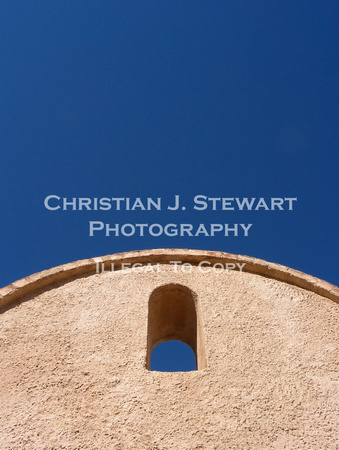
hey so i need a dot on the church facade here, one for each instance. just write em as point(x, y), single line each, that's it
point(76, 343)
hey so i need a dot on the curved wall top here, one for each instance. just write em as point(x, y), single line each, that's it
point(75, 350)
point(27, 286)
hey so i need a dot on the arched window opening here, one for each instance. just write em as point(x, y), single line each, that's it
point(173, 356)
point(172, 316)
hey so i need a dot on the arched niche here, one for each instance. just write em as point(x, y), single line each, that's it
point(173, 315)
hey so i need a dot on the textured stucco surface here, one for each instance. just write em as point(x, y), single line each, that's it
point(73, 355)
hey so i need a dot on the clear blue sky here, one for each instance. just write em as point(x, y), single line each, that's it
point(157, 98)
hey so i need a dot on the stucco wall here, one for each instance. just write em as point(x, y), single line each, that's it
point(73, 366)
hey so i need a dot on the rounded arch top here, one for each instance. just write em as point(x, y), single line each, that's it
point(39, 281)
point(173, 315)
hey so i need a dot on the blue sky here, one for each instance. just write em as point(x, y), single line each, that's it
point(157, 98)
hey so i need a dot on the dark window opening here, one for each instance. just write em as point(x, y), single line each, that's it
point(173, 317)
point(173, 356)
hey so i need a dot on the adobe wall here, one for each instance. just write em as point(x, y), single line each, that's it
point(73, 360)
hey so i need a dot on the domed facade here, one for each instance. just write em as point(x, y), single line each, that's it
point(76, 341)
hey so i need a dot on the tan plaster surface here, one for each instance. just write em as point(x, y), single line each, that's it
point(73, 361)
